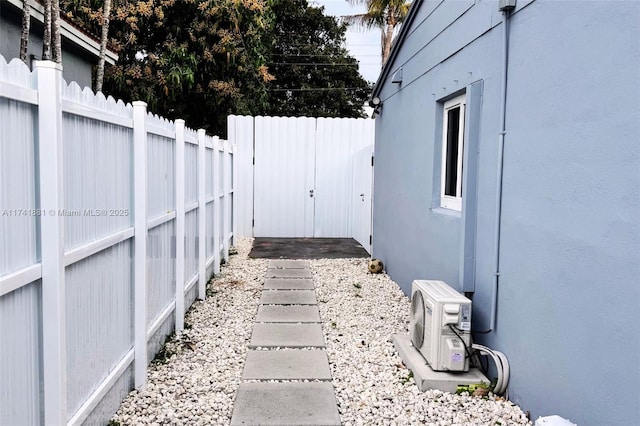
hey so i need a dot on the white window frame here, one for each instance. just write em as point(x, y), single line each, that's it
point(449, 201)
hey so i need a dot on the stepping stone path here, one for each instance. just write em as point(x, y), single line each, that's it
point(287, 343)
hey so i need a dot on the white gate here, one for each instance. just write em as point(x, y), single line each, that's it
point(284, 177)
point(310, 178)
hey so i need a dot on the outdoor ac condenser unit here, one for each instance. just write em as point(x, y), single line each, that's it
point(434, 308)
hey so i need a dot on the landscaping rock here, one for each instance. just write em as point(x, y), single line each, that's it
point(359, 312)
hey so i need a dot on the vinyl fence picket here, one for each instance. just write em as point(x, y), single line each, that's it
point(94, 290)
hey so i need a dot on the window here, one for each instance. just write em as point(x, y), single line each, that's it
point(452, 150)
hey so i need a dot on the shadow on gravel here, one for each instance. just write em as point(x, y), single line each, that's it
point(306, 248)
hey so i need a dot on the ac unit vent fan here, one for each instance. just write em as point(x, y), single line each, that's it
point(436, 309)
point(417, 315)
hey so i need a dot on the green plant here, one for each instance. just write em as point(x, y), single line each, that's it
point(357, 285)
point(476, 389)
point(333, 324)
point(113, 422)
point(408, 378)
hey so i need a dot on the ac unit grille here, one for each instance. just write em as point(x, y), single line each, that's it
point(417, 313)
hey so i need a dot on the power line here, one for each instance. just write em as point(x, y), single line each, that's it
point(360, 64)
point(315, 46)
point(317, 55)
point(313, 64)
point(317, 89)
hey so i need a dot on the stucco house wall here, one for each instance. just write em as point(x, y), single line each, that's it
point(569, 288)
point(79, 50)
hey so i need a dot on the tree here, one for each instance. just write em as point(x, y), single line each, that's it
point(26, 25)
point(384, 14)
point(103, 45)
point(56, 39)
point(203, 60)
point(52, 32)
point(314, 74)
point(190, 59)
point(93, 16)
point(46, 38)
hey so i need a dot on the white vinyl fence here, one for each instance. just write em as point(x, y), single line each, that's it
point(304, 177)
point(111, 222)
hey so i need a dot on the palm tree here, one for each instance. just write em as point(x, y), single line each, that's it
point(384, 14)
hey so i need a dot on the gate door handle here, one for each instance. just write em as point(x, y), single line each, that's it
point(311, 193)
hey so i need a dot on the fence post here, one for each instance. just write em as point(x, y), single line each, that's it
point(241, 133)
point(202, 208)
point(140, 241)
point(234, 198)
point(226, 215)
point(54, 352)
point(180, 218)
point(216, 205)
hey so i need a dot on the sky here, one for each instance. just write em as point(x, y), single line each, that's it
point(364, 45)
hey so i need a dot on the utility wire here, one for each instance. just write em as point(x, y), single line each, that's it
point(326, 64)
point(347, 44)
point(313, 64)
point(318, 89)
point(316, 55)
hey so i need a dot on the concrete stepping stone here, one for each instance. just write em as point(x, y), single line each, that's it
point(286, 335)
point(289, 264)
point(288, 297)
point(285, 404)
point(288, 284)
point(289, 273)
point(288, 313)
point(287, 365)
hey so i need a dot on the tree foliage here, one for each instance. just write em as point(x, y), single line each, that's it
point(314, 73)
point(199, 60)
point(204, 59)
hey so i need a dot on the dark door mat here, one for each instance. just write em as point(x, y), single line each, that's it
point(306, 248)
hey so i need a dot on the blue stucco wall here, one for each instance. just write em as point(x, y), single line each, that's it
point(76, 63)
point(569, 291)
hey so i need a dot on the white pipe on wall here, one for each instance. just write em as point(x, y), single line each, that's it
point(501, 135)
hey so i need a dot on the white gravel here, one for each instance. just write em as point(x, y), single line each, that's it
point(360, 313)
point(196, 384)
